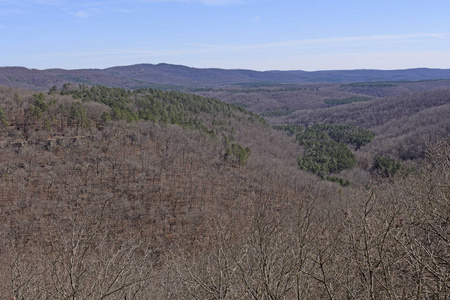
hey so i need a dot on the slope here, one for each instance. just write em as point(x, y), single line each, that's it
point(402, 123)
point(103, 195)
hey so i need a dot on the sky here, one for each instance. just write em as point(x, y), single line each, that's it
point(231, 34)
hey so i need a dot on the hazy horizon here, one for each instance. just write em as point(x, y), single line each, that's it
point(205, 68)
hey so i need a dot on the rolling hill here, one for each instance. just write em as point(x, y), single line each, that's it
point(176, 76)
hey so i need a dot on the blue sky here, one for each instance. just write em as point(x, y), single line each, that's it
point(245, 34)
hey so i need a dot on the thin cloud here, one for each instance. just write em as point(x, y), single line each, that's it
point(81, 14)
point(89, 9)
point(304, 60)
point(197, 48)
point(333, 41)
point(122, 11)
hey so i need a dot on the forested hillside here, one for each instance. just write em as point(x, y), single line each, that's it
point(402, 115)
point(108, 193)
point(270, 99)
point(402, 124)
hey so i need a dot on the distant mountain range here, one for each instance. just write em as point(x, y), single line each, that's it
point(176, 76)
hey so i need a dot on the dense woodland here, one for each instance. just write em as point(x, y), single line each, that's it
point(109, 193)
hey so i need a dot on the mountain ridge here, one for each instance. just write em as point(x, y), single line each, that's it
point(171, 76)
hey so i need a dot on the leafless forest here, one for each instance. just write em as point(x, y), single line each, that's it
point(142, 210)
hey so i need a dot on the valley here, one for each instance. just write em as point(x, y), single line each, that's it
point(263, 188)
